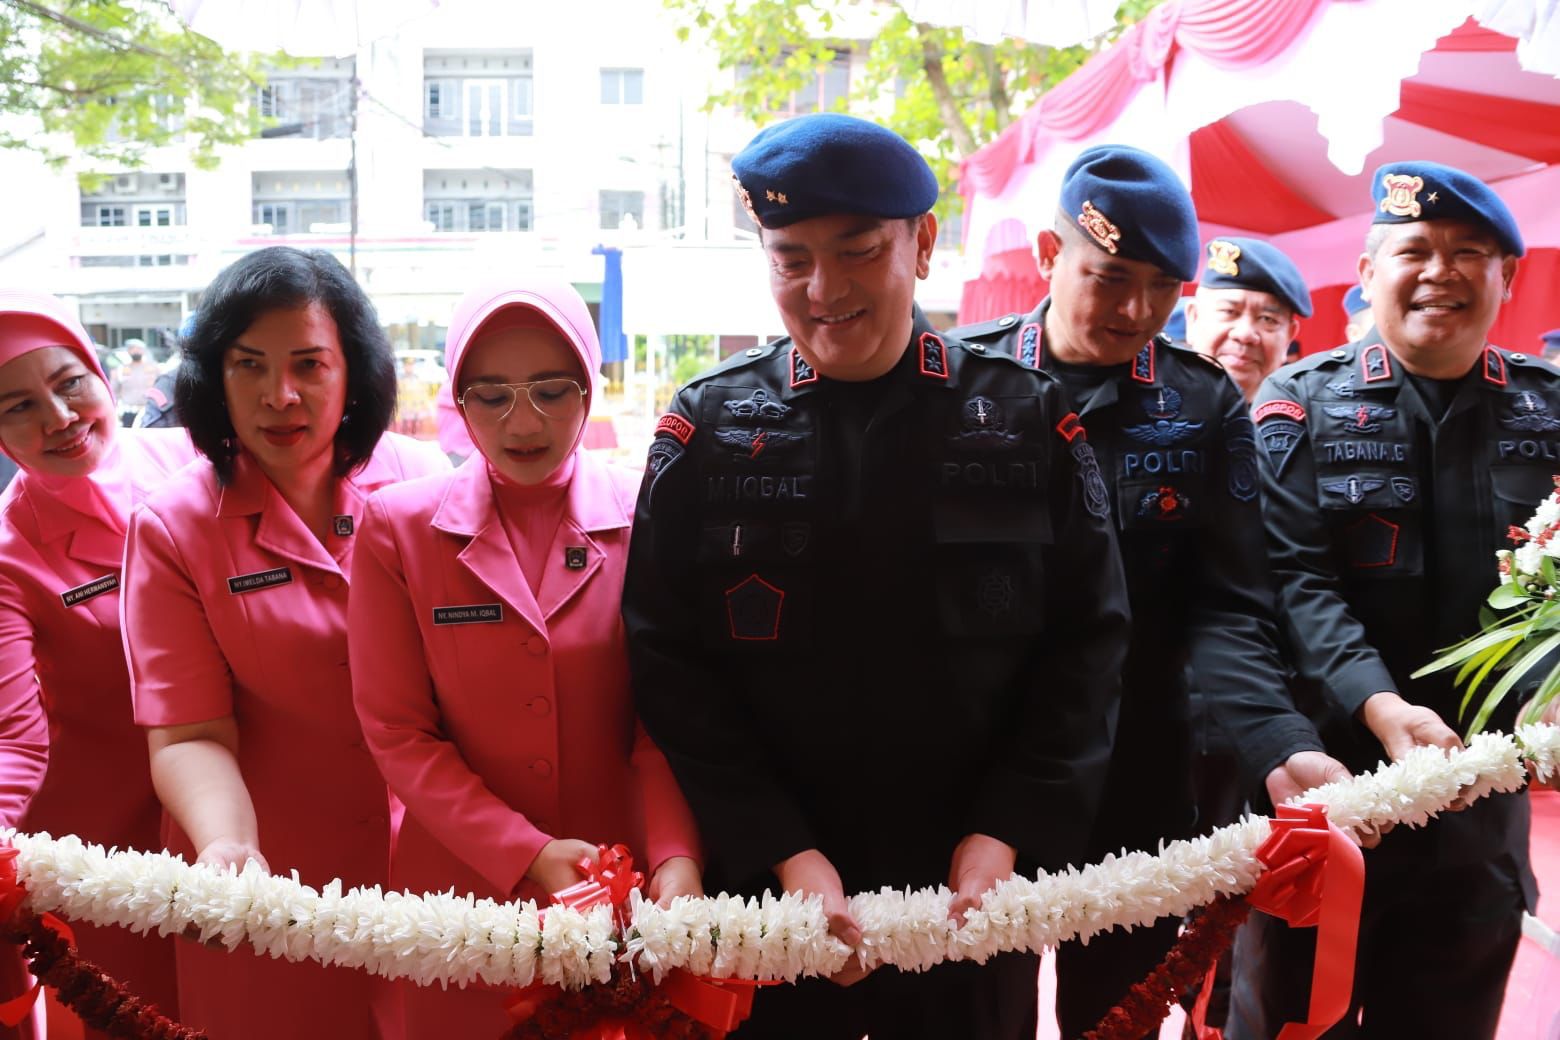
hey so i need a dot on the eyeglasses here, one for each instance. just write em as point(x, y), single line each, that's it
point(488, 404)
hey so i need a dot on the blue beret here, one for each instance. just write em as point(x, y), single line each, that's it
point(1175, 328)
point(1250, 263)
point(1552, 336)
point(1133, 206)
point(1354, 301)
point(1408, 192)
point(812, 166)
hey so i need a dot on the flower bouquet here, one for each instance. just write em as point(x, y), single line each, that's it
point(1520, 624)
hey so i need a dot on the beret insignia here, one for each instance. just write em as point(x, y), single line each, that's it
point(747, 201)
point(1401, 189)
point(1099, 227)
point(1222, 256)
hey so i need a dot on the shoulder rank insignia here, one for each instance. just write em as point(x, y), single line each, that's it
point(1402, 190)
point(1222, 256)
point(1163, 406)
point(1354, 489)
point(1143, 364)
point(1100, 228)
point(1494, 367)
point(752, 444)
point(757, 405)
point(1376, 363)
point(1361, 418)
point(801, 372)
point(1530, 413)
point(934, 356)
point(1030, 345)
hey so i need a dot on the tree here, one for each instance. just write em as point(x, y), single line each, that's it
point(950, 94)
point(116, 78)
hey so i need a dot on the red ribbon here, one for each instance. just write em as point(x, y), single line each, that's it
point(721, 1004)
point(609, 879)
point(1315, 878)
point(12, 895)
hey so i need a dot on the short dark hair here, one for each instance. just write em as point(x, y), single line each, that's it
point(279, 278)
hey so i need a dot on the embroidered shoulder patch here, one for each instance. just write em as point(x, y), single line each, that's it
point(1096, 500)
point(676, 427)
point(1291, 410)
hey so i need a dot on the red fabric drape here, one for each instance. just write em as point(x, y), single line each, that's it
point(1470, 36)
point(1510, 124)
point(1231, 186)
point(1228, 33)
point(1532, 309)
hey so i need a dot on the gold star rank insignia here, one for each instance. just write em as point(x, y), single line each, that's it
point(769, 195)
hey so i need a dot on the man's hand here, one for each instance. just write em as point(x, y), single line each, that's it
point(1401, 726)
point(810, 873)
point(677, 876)
point(1307, 769)
point(979, 862)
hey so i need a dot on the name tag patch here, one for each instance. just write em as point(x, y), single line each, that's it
point(95, 587)
point(242, 583)
point(472, 614)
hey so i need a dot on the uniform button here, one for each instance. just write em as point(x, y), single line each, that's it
point(1340, 353)
point(541, 767)
point(1007, 319)
point(536, 646)
point(539, 706)
point(978, 348)
point(754, 351)
point(1518, 359)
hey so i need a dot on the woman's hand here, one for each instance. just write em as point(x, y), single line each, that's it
point(225, 852)
point(677, 876)
point(554, 867)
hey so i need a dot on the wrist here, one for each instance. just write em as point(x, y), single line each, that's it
point(1378, 705)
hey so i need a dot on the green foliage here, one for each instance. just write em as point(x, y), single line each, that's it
point(112, 79)
point(949, 95)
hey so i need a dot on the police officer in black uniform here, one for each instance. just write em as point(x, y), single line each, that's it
point(1391, 473)
point(1175, 440)
point(875, 612)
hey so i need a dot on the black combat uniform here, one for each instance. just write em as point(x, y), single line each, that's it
point(873, 618)
point(1386, 497)
point(1175, 441)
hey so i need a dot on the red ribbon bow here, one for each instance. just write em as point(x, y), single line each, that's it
point(1315, 877)
point(12, 894)
point(609, 879)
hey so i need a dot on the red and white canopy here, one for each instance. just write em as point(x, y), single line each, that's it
point(1275, 112)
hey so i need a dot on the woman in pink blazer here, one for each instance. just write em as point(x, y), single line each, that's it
point(235, 620)
point(488, 663)
point(62, 540)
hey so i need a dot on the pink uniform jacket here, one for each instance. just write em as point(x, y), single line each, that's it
point(502, 719)
point(60, 560)
point(232, 607)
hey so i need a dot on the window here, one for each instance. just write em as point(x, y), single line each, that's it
point(477, 200)
point(154, 216)
point(622, 86)
point(317, 105)
point(111, 216)
point(300, 201)
point(615, 205)
point(144, 200)
point(477, 93)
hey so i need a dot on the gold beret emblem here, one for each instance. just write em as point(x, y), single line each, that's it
point(1222, 256)
point(1401, 189)
point(747, 201)
point(1099, 227)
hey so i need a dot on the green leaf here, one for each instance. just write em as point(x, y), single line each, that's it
point(1510, 679)
point(1471, 647)
point(1505, 597)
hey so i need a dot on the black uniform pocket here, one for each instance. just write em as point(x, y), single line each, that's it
point(757, 589)
point(1518, 491)
point(988, 560)
point(1160, 505)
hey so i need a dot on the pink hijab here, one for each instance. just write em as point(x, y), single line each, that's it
point(527, 301)
point(31, 321)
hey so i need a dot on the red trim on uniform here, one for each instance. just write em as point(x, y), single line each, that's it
point(1392, 553)
point(1494, 363)
point(942, 353)
point(1386, 364)
point(812, 373)
point(676, 427)
point(1288, 409)
point(1071, 428)
point(779, 606)
point(1153, 354)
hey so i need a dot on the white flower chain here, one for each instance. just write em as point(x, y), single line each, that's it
point(449, 939)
